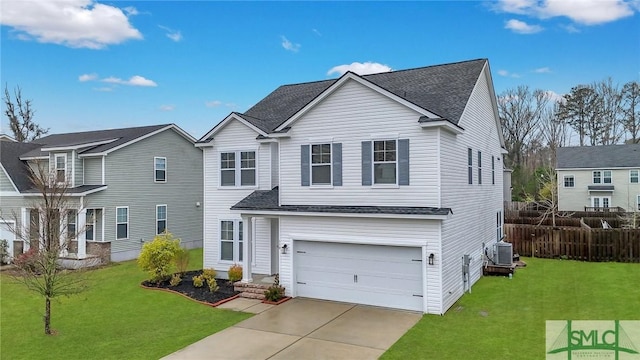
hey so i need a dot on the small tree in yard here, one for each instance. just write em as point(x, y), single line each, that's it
point(547, 195)
point(158, 255)
point(39, 269)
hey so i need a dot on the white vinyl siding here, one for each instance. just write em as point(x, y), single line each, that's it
point(161, 219)
point(341, 117)
point(160, 169)
point(122, 223)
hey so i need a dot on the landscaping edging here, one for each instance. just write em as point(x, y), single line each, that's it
point(190, 298)
point(286, 298)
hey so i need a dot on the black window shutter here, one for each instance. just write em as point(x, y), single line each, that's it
point(304, 165)
point(336, 150)
point(403, 162)
point(366, 163)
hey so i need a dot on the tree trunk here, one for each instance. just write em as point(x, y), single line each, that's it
point(47, 316)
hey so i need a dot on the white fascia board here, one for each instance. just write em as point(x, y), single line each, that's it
point(347, 215)
point(227, 120)
point(599, 168)
point(88, 192)
point(444, 124)
point(267, 140)
point(494, 102)
point(351, 76)
point(9, 177)
point(357, 240)
point(77, 146)
point(43, 157)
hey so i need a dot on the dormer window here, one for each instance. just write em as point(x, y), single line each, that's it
point(61, 167)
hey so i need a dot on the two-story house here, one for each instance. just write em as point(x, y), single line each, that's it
point(127, 185)
point(599, 177)
point(366, 189)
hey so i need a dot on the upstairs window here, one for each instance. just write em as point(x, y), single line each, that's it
point(493, 170)
point(384, 162)
point(602, 177)
point(238, 168)
point(61, 167)
point(160, 169)
point(321, 164)
point(479, 167)
point(569, 181)
point(161, 219)
point(470, 166)
point(634, 176)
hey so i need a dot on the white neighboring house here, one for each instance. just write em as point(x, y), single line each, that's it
point(364, 189)
point(599, 177)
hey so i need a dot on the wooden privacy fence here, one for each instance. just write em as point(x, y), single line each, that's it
point(621, 245)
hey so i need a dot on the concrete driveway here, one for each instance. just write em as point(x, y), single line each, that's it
point(304, 329)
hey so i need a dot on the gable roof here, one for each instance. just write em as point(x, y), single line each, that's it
point(602, 157)
point(10, 160)
point(98, 141)
point(440, 89)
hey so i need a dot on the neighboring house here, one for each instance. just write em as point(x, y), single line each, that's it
point(367, 189)
point(127, 184)
point(599, 177)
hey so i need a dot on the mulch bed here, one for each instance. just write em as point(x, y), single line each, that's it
point(201, 294)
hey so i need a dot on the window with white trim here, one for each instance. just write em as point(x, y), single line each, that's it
point(90, 221)
point(72, 216)
point(634, 175)
point(385, 162)
point(160, 169)
point(602, 177)
point(238, 168)
point(499, 225)
point(493, 170)
point(479, 167)
point(638, 203)
point(321, 164)
point(161, 219)
point(231, 240)
point(61, 167)
point(470, 166)
point(122, 222)
point(569, 181)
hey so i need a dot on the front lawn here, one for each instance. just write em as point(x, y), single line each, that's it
point(505, 319)
point(114, 319)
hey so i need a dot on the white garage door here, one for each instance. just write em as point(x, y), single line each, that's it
point(389, 276)
point(7, 234)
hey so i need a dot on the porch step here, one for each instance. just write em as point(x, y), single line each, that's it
point(251, 290)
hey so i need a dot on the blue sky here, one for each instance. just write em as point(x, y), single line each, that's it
point(90, 65)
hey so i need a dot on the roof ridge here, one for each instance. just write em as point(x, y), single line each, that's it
point(104, 130)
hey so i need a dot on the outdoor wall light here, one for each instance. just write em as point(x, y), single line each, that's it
point(431, 257)
point(283, 249)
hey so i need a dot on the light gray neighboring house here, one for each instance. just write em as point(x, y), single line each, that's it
point(599, 177)
point(128, 184)
point(366, 189)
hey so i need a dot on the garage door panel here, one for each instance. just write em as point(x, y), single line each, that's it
point(366, 274)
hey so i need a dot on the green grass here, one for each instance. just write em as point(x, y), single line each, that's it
point(114, 319)
point(517, 309)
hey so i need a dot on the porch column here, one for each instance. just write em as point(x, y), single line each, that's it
point(25, 229)
point(247, 244)
point(82, 234)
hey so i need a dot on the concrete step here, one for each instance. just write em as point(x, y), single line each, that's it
point(240, 284)
point(250, 290)
point(248, 295)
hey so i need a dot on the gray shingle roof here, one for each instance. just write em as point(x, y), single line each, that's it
point(599, 157)
point(10, 159)
point(121, 136)
point(441, 89)
point(268, 200)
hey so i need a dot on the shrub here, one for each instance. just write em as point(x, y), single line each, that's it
point(198, 281)
point(181, 260)
point(213, 285)
point(175, 280)
point(4, 251)
point(27, 261)
point(275, 292)
point(157, 256)
point(209, 273)
point(235, 273)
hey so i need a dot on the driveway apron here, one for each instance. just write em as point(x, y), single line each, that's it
point(304, 329)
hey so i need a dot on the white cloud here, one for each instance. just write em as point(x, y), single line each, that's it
point(360, 68)
point(570, 28)
point(87, 77)
point(522, 27)
point(315, 31)
point(542, 70)
point(72, 23)
point(167, 107)
point(213, 103)
point(130, 10)
point(172, 34)
point(586, 12)
point(554, 96)
point(135, 80)
point(288, 45)
point(104, 89)
point(506, 73)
